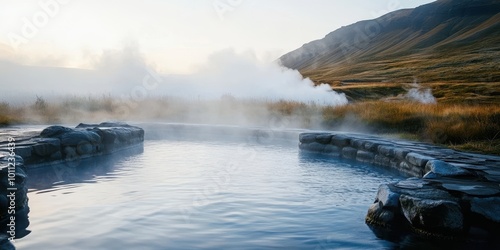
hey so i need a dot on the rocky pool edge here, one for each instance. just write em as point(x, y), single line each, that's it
point(449, 195)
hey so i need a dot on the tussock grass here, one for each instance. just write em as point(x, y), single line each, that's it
point(458, 125)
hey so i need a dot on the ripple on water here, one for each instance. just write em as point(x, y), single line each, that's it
point(185, 195)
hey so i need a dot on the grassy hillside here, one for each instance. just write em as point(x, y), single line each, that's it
point(445, 41)
point(451, 47)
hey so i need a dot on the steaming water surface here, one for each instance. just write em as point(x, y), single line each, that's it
point(207, 195)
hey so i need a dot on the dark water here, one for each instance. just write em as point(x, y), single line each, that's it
point(204, 195)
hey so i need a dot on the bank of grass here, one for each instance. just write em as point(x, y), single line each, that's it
point(471, 126)
point(460, 126)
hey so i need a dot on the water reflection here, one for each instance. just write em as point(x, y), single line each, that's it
point(50, 178)
point(402, 238)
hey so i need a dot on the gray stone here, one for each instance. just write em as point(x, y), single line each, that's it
point(340, 140)
point(394, 163)
point(445, 169)
point(364, 156)
point(432, 205)
point(382, 160)
point(428, 193)
point(324, 138)
point(431, 175)
point(307, 137)
point(114, 124)
point(418, 159)
point(54, 131)
point(47, 146)
point(384, 217)
point(70, 152)
point(85, 148)
point(405, 165)
point(400, 153)
point(493, 178)
point(56, 156)
point(85, 125)
point(371, 146)
point(77, 137)
point(411, 183)
point(470, 167)
point(386, 150)
point(331, 149)
point(124, 135)
point(108, 136)
point(435, 216)
point(472, 188)
point(410, 169)
point(387, 197)
point(357, 143)
point(492, 172)
point(487, 207)
point(349, 153)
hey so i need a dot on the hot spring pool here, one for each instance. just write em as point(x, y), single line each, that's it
point(188, 194)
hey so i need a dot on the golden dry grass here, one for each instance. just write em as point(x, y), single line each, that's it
point(461, 125)
point(450, 124)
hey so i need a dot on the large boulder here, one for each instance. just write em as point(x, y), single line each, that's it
point(385, 210)
point(437, 218)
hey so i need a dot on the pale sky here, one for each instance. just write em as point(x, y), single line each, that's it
point(171, 35)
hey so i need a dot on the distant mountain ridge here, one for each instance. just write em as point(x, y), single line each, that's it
point(447, 40)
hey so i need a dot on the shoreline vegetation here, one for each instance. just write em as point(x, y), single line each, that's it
point(466, 116)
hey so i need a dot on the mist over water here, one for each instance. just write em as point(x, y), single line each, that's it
point(229, 88)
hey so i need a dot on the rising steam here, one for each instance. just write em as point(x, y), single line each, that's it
point(421, 95)
point(120, 73)
point(245, 77)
